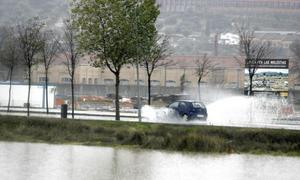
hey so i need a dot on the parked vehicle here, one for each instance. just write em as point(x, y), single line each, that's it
point(189, 110)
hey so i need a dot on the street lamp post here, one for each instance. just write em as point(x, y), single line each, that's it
point(138, 92)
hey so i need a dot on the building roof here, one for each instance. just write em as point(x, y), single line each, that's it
point(189, 61)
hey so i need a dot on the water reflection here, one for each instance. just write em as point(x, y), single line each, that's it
point(41, 161)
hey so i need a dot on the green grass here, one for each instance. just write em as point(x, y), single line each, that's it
point(151, 136)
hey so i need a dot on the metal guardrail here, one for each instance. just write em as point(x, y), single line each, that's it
point(69, 113)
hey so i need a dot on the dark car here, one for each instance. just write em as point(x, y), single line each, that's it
point(190, 110)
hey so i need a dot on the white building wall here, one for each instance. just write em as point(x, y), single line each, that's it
point(19, 95)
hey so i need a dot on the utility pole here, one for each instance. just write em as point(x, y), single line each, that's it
point(138, 89)
point(216, 45)
point(238, 79)
point(138, 76)
point(165, 68)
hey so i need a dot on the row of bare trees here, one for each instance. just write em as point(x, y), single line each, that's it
point(295, 48)
point(31, 43)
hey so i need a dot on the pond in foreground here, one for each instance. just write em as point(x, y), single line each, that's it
point(41, 161)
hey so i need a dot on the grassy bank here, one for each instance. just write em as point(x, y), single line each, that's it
point(151, 136)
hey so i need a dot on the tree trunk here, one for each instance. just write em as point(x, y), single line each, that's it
point(117, 103)
point(149, 89)
point(199, 91)
point(72, 89)
point(29, 87)
point(46, 84)
point(9, 92)
point(251, 84)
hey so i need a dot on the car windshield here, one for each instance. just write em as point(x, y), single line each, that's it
point(198, 105)
point(174, 105)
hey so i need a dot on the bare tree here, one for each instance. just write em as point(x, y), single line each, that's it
point(295, 48)
point(29, 36)
point(69, 47)
point(155, 57)
point(182, 82)
point(3, 32)
point(49, 49)
point(204, 66)
point(10, 56)
point(252, 51)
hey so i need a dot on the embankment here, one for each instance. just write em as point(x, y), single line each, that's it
point(151, 136)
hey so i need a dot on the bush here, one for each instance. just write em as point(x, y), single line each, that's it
point(201, 143)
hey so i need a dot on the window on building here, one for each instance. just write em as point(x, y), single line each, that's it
point(170, 83)
point(83, 81)
point(124, 82)
point(42, 79)
point(90, 81)
point(108, 81)
point(66, 80)
point(96, 81)
point(142, 82)
point(155, 83)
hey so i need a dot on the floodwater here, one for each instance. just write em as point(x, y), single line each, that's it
point(26, 161)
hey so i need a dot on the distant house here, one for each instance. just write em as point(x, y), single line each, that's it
point(229, 39)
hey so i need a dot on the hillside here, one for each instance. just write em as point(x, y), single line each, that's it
point(190, 32)
point(13, 11)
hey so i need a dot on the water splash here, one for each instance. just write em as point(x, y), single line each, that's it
point(161, 115)
point(248, 110)
point(234, 110)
